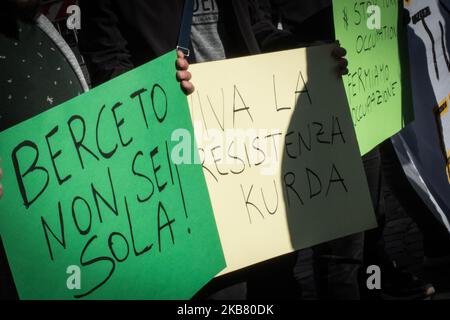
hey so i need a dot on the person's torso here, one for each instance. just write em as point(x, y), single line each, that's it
point(151, 28)
point(209, 36)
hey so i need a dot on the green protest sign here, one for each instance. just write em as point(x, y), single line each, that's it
point(95, 207)
point(368, 30)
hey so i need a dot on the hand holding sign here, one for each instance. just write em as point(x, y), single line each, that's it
point(183, 75)
point(339, 54)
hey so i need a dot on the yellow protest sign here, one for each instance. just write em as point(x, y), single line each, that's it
point(279, 153)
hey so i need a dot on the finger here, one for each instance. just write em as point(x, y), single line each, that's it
point(184, 75)
point(188, 87)
point(343, 63)
point(180, 54)
point(342, 71)
point(339, 52)
point(1, 174)
point(182, 64)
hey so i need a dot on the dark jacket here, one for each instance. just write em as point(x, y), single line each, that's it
point(118, 35)
point(308, 20)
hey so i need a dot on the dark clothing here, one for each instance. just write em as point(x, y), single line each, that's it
point(35, 75)
point(119, 35)
point(289, 277)
point(309, 21)
point(337, 265)
point(338, 262)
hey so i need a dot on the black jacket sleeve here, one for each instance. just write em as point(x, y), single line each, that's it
point(101, 42)
point(269, 37)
